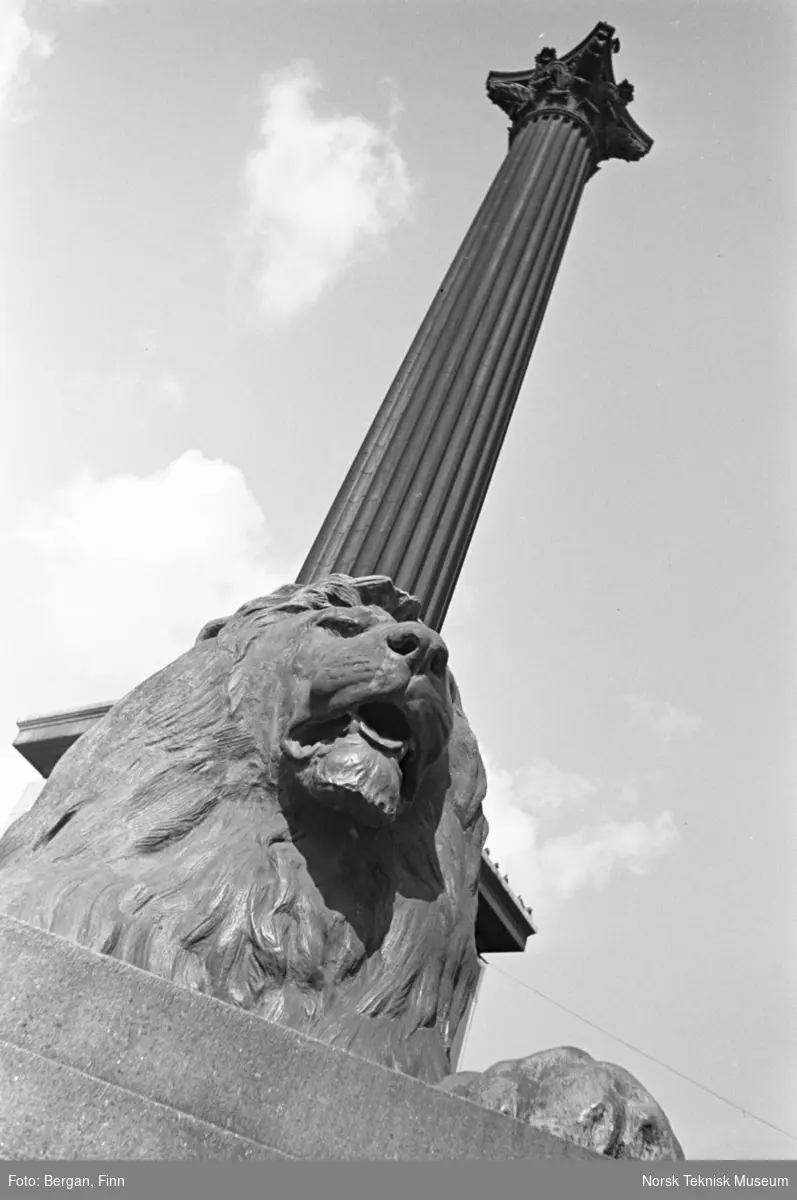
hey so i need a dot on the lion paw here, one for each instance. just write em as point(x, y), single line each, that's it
point(565, 1091)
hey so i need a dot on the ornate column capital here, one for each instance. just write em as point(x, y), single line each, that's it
point(579, 86)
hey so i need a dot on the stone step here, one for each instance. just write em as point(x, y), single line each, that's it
point(130, 1036)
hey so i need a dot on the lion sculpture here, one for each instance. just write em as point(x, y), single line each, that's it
point(287, 818)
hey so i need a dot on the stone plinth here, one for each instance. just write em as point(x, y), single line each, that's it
point(101, 1060)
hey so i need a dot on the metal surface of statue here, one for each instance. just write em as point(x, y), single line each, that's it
point(409, 505)
point(596, 1105)
point(288, 818)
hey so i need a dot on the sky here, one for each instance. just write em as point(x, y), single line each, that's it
point(220, 226)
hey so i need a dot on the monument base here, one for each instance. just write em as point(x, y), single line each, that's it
point(101, 1060)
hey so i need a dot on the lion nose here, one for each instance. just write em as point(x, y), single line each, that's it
point(422, 648)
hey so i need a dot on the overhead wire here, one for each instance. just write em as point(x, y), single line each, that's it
point(746, 1112)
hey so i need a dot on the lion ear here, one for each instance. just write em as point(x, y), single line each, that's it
point(211, 629)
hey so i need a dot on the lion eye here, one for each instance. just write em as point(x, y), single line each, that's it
point(340, 626)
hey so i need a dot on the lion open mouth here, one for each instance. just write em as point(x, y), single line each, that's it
point(364, 754)
point(379, 722)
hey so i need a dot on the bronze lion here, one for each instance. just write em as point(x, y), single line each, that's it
point(287, 818)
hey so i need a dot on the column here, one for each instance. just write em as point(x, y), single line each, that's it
point(410, 502)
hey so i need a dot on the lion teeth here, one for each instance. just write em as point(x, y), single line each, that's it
point(297, 750)
point(398, 748)
point(350, 724)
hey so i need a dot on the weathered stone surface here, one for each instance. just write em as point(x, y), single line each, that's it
point(48, 1111)
point(596, 1104)
point(85, 1030)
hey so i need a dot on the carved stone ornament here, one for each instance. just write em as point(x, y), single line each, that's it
point(579, 86)
point(288, 818)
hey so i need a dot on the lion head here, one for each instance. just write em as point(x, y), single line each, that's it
point(365, 708)
point(288, 818)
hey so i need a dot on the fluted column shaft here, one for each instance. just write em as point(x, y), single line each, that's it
point(410, 502)
point(409, 505)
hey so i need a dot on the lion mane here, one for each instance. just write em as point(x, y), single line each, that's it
point(163, 839)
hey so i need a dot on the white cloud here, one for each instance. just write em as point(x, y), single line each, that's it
point(521, 803)
point(661, 720)
point(20, 44)
point(592, 853)
point(542, 787)
point(113, 578)
point(321, 190)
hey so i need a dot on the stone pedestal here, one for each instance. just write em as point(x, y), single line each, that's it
point(100, 1060)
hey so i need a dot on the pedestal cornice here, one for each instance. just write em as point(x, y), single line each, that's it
point(580, 87)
